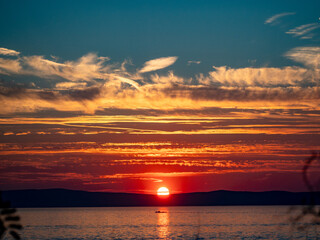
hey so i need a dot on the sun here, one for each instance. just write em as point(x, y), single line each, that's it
point(163, 191)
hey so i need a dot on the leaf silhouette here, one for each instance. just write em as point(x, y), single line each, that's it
point(9, 223)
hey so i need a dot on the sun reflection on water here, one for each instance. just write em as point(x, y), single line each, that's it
point(163, 223)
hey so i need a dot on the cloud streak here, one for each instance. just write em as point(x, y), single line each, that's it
point(158, 63)
point(309, 56)
point(8, 52)
point(303, 31)
point(259, 77)
point(88, 68)
point(194, 62)
point(276, 17)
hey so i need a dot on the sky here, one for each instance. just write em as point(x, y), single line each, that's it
point(130, 96)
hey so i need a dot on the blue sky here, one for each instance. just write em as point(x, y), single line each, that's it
point(216, 33)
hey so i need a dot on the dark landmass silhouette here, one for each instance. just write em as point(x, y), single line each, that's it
point(73, 198)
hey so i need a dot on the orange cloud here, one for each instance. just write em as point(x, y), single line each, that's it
point(90, 84)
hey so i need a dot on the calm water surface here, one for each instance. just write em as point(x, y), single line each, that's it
point(231, 222)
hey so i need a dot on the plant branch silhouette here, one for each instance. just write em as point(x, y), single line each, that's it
point(309, 209)
point(9, 221)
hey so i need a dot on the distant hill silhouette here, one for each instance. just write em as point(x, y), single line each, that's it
point(72, 198)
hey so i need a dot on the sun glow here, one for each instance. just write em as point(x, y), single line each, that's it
point(163, 191)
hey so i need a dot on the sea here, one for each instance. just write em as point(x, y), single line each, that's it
point(212, 222)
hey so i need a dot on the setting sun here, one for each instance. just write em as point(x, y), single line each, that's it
point(163, 191)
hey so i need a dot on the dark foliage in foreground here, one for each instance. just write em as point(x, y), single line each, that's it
point(309, 214)
point(9, 221)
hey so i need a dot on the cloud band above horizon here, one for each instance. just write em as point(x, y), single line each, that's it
point(91, 83)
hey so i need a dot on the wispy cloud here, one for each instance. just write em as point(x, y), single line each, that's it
point(304, 31)
point(158, 63)
point(167, 79)
point(193, 62)
point(275, 18)
point(309, 56)
point(9, 52)
point(70, 85)
point(91, 83)
point(87, 68)
point(257, 77)
point(10, 66)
